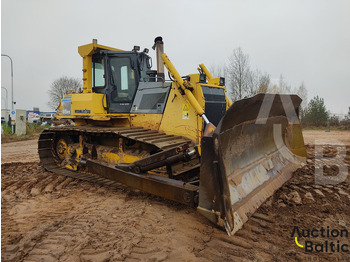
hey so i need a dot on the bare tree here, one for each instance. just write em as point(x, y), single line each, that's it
point(264, 81)
point(283, 86)
point(257, 82)
point(252, 82)
point(273, 89)
point(218, 70)
point(302, 93)
point(242, 81)
point(347, 117)
point(239, 75)
point(60, 87)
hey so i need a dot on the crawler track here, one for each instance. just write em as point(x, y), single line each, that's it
point(104, 174)
point(160, 141)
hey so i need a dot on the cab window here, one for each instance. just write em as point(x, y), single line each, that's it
point(98, 72)
point(122, 79)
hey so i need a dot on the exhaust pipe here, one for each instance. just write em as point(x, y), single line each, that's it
point(159, 47)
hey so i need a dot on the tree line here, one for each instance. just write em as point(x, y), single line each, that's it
point(244, 81)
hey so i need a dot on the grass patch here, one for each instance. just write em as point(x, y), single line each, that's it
point(32, 132)
point(6, 129)
point(35, 129)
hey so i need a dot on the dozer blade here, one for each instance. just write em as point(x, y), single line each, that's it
point(253, 152)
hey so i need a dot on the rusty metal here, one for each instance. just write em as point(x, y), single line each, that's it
point(163, 158)
point(159, 47)
point(245, 161)
point(172, 189)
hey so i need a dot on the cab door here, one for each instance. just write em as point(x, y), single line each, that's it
point(122, 82)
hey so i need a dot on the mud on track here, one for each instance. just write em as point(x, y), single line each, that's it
point(46, 217)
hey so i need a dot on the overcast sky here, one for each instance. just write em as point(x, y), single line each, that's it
point(305, 41)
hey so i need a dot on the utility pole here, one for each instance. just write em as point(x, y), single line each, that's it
point(12, 103)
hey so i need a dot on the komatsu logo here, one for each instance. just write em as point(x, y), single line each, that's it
point(85, 111)
point(321, 240)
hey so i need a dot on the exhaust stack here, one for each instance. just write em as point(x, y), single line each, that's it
point(159, 47)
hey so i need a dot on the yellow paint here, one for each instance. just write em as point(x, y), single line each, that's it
point(198, 92)
point(119, 158)
point(206, 71)
point(147, 121)
point(71, 167)
point(194, 78)
point(228, 101)
point(173, 122)
point(90, 49)
point(86, 52)
point(185, 85)
point(215, 81)
point(88, 101)
point(61, 148)
point(85, 105)
point(296, 241)
point(79, 152)
point(87, 74)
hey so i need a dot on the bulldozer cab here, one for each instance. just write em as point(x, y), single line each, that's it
point(117, 75)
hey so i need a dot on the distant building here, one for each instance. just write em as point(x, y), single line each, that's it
point(33, 116)
point(5, 116)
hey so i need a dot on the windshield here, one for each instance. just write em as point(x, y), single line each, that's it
point(123, 79)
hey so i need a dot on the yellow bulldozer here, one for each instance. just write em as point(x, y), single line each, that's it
point(180, 139)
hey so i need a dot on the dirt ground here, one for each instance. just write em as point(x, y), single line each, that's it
point(47, 217)
point(335, 136)
point(20, 152)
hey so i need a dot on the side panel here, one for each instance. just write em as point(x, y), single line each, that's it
point(82, 105)
point(151, 98)
point(148, 121)
point(179, 117)
point(215, 103)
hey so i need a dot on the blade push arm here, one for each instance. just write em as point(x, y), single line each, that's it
point(206, 71)
point(185, 87)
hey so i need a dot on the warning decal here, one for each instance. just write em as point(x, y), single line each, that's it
point(185, 111)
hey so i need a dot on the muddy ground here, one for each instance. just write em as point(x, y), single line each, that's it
point(47, 217)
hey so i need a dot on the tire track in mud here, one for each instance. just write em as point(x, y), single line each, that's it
point(60, 221)
point(24, 217)
point(66, 217)
point(80, 238)
point(46, 217)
